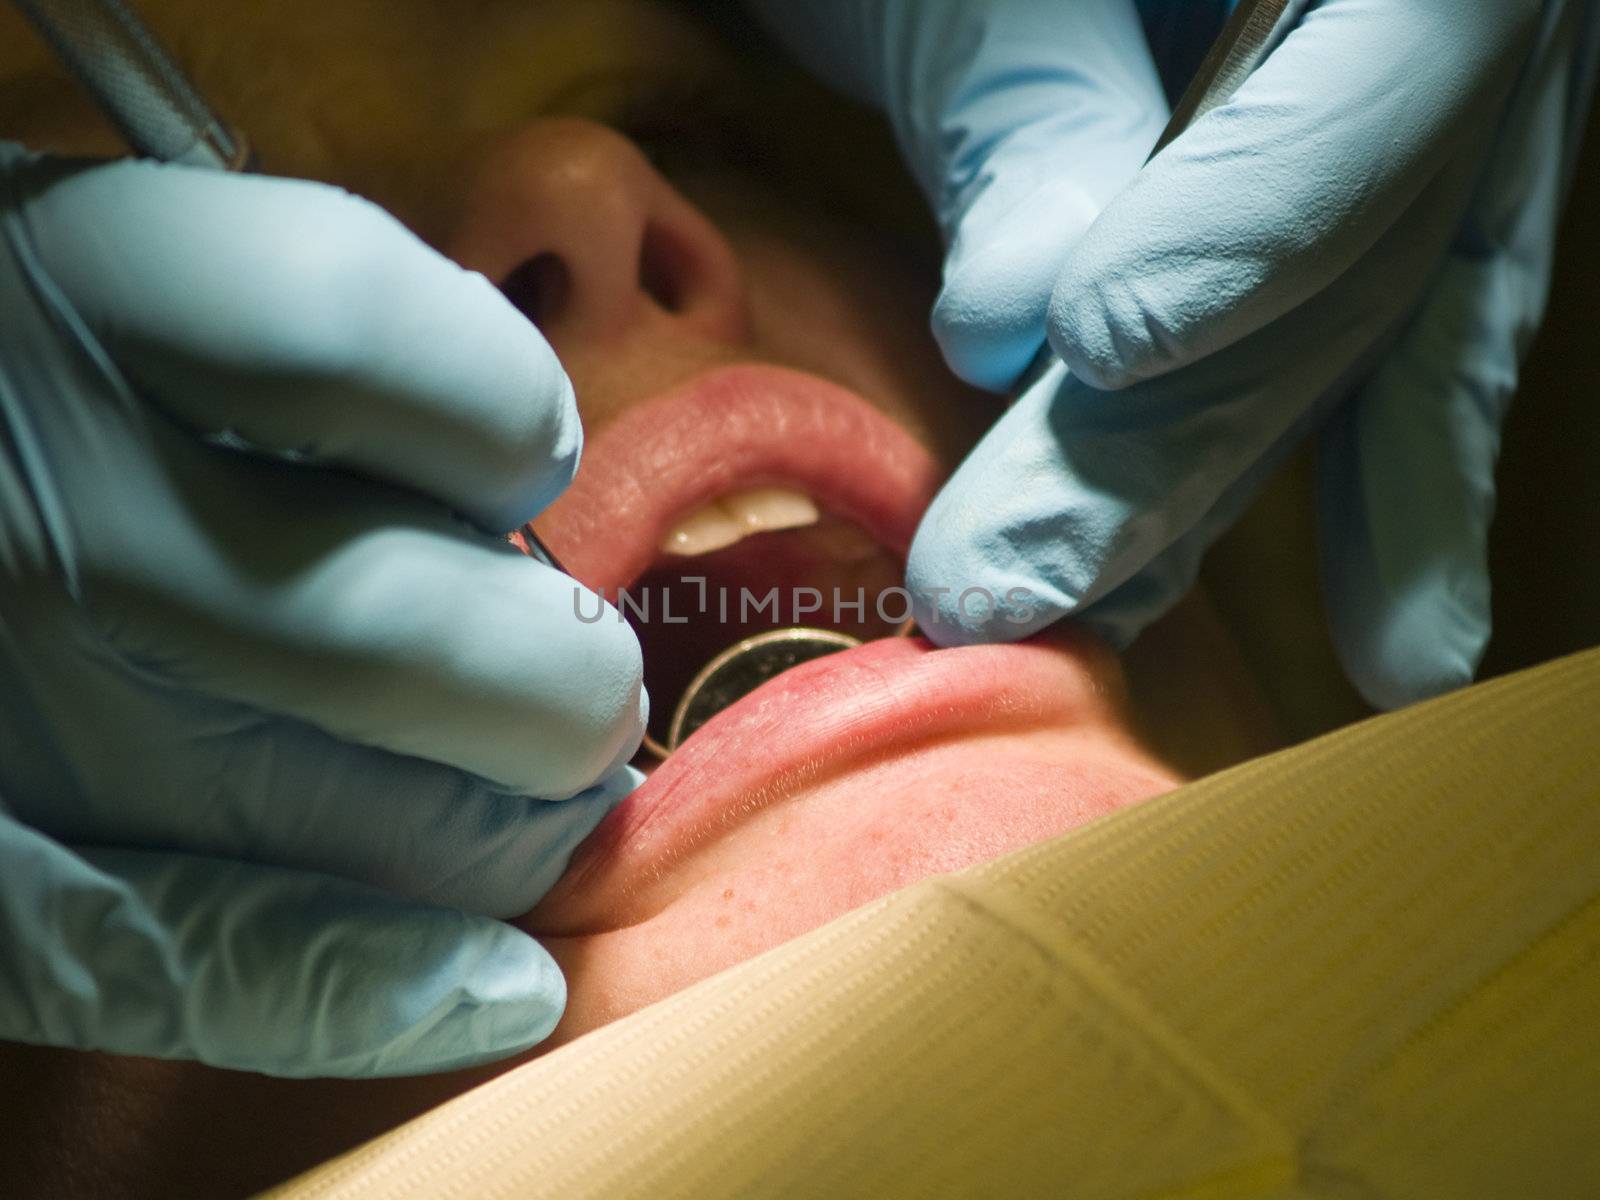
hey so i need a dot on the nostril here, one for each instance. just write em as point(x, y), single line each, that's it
point(665, 265)
point(539, 287)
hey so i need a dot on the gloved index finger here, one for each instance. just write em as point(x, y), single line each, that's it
point(1269, 198)
point(310, 323)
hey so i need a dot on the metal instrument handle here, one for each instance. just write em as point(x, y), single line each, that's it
point(135, 81)
point(1252, 33)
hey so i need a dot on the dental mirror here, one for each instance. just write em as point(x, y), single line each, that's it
point(740, 670)
point(745, 666)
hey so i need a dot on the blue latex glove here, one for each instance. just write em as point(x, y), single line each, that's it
point(1359, 245)
point(269, 730)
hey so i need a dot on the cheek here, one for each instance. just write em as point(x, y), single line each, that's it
point(847, 841)
point(818, 856)
point(882, 830)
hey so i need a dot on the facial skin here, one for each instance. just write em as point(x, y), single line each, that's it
point(711, 293)
point(726, 850)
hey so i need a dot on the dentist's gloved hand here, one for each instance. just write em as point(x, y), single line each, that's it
point(284, 724)
point(1360, 243)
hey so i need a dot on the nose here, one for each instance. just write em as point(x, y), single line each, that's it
point(591, 242)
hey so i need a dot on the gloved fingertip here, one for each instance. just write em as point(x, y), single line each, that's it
point(623, 722)
point(940, 625)
point(296, 973)
point(1402, 671)
point(988, 342)
point(1108, 343)
point(999, 274)
point(1401, 649)
point(629, 745)
point(968, 606)
point(511, 998)
point(581, 675)
point(503, 994)
point(537, 456)
point(507, 851)
point(1404, 547)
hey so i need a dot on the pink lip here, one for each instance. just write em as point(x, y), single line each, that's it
point(879, 702)
point(882, 702)
point(728, 429)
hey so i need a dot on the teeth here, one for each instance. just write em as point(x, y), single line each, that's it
point(737, 515)
point(763, 509)
point(702, 531)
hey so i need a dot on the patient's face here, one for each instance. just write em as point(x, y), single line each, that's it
point(724, 334)
point(724, 340)
point(744, 357)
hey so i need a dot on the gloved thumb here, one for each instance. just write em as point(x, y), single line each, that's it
point(255, 968)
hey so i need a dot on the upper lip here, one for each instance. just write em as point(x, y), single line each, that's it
point(727, 429)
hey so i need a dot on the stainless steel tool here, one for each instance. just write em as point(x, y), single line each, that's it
point(136, 83)
point(741, 669)
point(1251, 33)
point(144, 93)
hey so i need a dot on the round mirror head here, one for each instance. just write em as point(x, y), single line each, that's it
point(740, 670)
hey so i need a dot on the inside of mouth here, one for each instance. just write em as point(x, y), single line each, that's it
point(687, 609)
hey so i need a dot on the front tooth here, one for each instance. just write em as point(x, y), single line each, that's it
point(764, 509)
point(702, 531)
point(729, 518)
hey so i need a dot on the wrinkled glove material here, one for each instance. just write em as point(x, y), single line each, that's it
point(1356, 248)
point(282, 716)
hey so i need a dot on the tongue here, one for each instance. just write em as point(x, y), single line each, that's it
point(688, 610)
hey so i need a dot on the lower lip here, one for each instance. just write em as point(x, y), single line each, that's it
point(878, 702)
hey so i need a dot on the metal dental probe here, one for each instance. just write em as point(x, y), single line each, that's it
point(113, 54)
point(155, 108)
point(1250, 34)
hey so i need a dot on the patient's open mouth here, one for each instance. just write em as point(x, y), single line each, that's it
point(749, 499)
point(826, 574)
point(718, 467)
